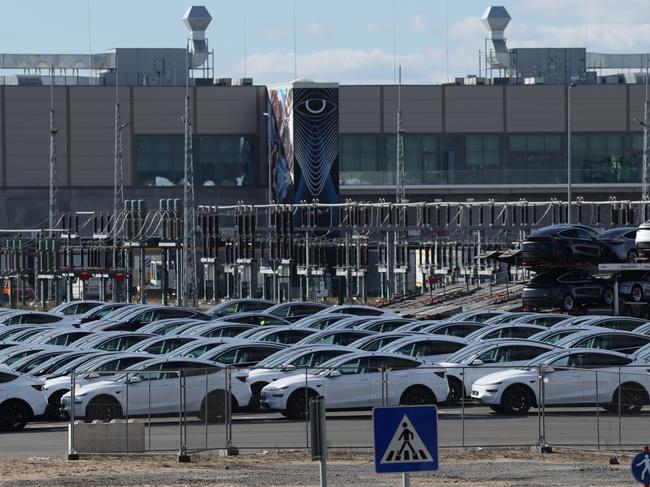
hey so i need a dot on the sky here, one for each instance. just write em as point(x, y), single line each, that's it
point(349, 41)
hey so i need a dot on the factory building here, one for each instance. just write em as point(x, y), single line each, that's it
point(501, 134)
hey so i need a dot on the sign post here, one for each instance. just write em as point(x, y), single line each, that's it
point(406, 440)
point(318, 436)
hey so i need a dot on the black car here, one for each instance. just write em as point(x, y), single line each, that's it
point(621, 242)
point(563, 244)
point(566, 290)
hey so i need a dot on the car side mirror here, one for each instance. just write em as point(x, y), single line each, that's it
point(92, 375)
point(134, 379)
point(548, 370)
point(335, 373)
point(289, 367)
point(477, 361)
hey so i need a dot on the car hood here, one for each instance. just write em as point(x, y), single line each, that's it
point(56, 382)
point(505, 375)
point(295, 380)
point(101, 385)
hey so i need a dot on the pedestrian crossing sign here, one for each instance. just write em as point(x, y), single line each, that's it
point(406, 438)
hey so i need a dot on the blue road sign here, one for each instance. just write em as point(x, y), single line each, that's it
point(641, 466)
point(406, 439)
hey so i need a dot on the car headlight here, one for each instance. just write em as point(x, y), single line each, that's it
point(493, 384)
point(283, 388)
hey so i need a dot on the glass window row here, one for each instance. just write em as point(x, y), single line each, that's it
point(491, 159)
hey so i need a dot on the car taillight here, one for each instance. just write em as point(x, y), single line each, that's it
point(38, 387)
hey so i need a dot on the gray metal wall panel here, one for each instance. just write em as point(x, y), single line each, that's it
point(598, 108)
point(158, 110)
point(359, 109)
point(2, 155)
point(227, 110)
point(92, 137)
point(637, 100)
point(535, 108)
point(27, 131)
point(421, 108)
point(474, 109)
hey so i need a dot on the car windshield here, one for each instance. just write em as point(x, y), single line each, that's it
point(465, 353)
point(544, 358)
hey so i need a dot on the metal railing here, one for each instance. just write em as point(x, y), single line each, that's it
point(214, 409)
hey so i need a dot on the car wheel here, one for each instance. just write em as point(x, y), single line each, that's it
point(516, 400)
point(568, 303)
point(256, 396)
point(632, 256)
point(632, 399)
point(417, 396)
point(213, 407)
point(637, 294)
point(54, 410)
point(13, 416)
point(608, 296)
point(456, 391)
point(298, 404)
point(103, 408)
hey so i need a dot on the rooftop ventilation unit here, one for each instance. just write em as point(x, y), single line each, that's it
point(197, 19)
point(495, 20)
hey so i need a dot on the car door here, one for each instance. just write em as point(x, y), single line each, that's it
point(567, 380)
point(588, 289)
point(584, 245)
point(398, 376)
point(350, 389)
point(155, 391)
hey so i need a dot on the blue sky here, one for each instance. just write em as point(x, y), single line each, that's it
point(350, 41)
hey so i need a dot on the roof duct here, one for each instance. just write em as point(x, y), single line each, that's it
point(495, 20)
point(197, 19)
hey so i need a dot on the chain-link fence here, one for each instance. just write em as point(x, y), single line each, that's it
point(193, 410)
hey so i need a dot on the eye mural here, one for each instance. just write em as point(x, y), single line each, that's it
point(316, 144)
point(304, 144)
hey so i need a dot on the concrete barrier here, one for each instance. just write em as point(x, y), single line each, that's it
point(114, 437)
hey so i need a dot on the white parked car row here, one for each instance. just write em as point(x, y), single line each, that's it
point(129, 360)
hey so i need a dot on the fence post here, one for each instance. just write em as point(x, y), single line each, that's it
point(619, 407)
point(597, 415)
point(182, 456)
point(149, 412)
point(384, 386)
point(72, 453)
point(541, 410)
point(462, 408)
point(228, 411)
point(307, 406)
point(207, 408)
point(126, 414)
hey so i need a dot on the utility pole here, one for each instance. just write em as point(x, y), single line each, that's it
point(646, 142)
point(400, 193)
point(190, 284)
point(53, 211)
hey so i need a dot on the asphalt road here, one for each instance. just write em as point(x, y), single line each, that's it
point(480, 428)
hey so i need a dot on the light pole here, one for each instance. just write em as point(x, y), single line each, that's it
point(568, 128)
point(269, 145)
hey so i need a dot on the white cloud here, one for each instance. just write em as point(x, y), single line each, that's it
point(344, 65)
point(318, 29)
point(418, 23)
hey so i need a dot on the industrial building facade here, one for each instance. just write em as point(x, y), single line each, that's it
point(498, 142)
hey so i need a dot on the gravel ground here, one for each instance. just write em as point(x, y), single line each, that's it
point(501, 468)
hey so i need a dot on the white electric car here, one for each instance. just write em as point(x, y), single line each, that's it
point(354, 381)
point(575, 377)
point(21, 399)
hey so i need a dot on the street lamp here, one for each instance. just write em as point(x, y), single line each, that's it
point(568, 127)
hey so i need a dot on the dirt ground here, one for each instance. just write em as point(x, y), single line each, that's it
point(482, 468)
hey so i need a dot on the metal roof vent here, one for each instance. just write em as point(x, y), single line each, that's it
point(197, 19)
point(495, 20)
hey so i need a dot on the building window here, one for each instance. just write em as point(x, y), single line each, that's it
point(359, 162)
point(421, 159)
point(482, 150)
point(600, 158)
point(536, 157)
point(218, 160)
